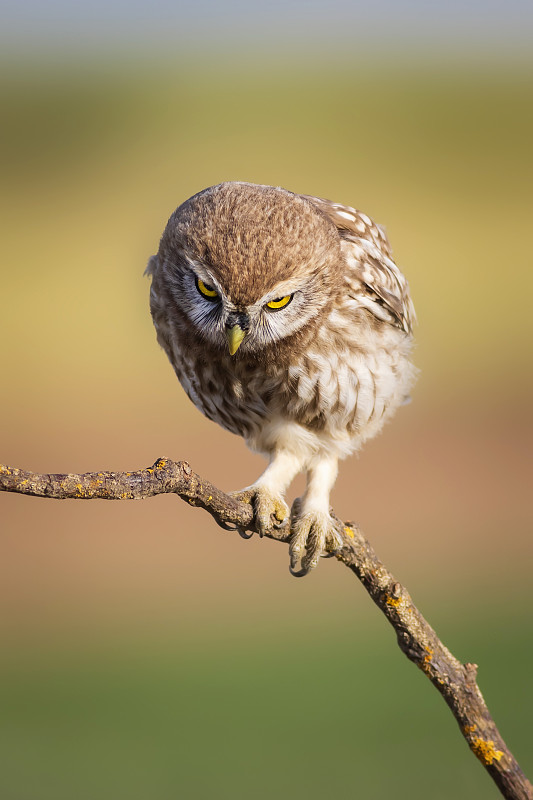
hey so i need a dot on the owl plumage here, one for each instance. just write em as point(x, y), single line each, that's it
point(288, 323)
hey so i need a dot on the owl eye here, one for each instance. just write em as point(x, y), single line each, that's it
point(281, 302)
point(205, 290)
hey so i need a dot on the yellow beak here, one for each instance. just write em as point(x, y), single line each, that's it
point(235, 336)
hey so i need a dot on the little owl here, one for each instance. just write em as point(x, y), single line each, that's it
point(288, 323)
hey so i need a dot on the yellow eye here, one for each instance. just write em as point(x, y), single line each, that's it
point(206, 290)
point(281, 302)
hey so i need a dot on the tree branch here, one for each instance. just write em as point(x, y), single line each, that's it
point(456, 682)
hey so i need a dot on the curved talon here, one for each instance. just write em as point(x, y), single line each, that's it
point(242, 533)
point(298, 573)
point(226, 527)
point(296, 507)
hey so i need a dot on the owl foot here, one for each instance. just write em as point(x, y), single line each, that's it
point(316, 534)
point(270, 510)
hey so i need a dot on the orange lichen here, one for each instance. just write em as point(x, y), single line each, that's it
point(469, 729)
point(395, 602)
point(485, 751)
point(425, 662)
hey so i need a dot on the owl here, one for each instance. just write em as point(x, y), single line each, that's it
point(288, 323)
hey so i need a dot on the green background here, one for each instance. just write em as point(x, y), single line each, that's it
point(145, 653)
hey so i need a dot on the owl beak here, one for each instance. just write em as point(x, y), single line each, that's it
point(234, 335)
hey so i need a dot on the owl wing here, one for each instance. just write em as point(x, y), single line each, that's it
point(374, 280)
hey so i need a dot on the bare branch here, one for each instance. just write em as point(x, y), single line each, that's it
point(456, 682)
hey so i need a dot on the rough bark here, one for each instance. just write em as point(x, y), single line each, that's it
point(456, 682)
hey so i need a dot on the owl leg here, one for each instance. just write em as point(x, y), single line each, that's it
point(313, 530)
point(266, 494)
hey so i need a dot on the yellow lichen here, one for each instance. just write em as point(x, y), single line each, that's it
point(485, 751)
point(349, 532)
point(395, 602)
point(160, 463)
point(425, 662)
point(469, 729)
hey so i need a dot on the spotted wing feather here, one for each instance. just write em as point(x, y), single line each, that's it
point(373, 279)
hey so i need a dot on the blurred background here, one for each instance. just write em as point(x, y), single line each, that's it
point(145, 652)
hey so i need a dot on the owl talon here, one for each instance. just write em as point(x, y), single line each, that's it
point(296, 508)
point(315, 534)
point(270, 510)
point(241, 531)
point(226, 527)
point(298, 573)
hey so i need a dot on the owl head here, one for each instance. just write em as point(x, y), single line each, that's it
point(244, 266)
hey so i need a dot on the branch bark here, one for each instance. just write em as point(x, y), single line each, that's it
point(456, 682)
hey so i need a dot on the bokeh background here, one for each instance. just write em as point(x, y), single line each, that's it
point(146, 653)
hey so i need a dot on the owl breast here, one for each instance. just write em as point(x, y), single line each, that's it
point(340, 388)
